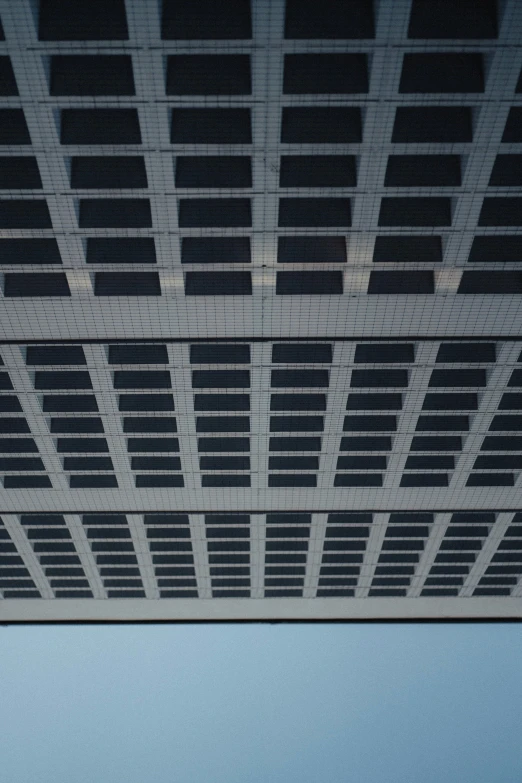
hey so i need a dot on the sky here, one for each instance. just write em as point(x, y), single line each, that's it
point(261, 704)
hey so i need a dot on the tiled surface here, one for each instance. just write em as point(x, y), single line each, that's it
point(224, 187)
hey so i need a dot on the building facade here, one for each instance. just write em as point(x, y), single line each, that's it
point(261, 309)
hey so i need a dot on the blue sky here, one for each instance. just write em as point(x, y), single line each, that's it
point(261, 704)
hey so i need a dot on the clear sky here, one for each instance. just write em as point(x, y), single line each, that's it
point(261, 704)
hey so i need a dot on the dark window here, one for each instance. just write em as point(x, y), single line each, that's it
point(507, 171)
point(301, 353)
point(321, 125)
point(450, 402)
point(436, 443)
point(224, 480)
point(5, 382)
point(311, 250)
point(501, 212)
point(142, 379)
point(316, 171)
point(490, 480)
point(453, 19)
point(227, 519)
point(13, 127)
point(99, 74)
point(502, 443)
point(27, 482)
point(302, 212)
point(11, 424)
point(87, 463)
point(291, 518)
point(208, 74)
point(211, 126)
point(309, 283)
point(146, 402)
point(292, 480)
point(361, 463)
point(379, 378)
point(216, 353)
point(55, 354)
point(84, 424)
point(82, 445)
point(493, 591)
point(18, 446)
point(432, 124)
point(67, 403)
point(21, 464)
point(125, 171)
point(115, 213)
point(295, 444)
point(358, 480)
point(370, 424)
point(498, 462)
point(430, 463)
point(299, 378)
point(424, 480)
point(415, 212)
point(222, 424)
point(374, 402)
point(323, 74)
point(225, 171)
point(506, 423)
point(36, 285)
point(93, 482)
point(185, 20)
point(127, 284)
point(219, 445)
point(214, 213)
point(23, 213)
point(466, 352)
point(414, 171)
point(224, 463)
point(221, 402)
point(513, 130)
point(489, 282)
point(490, 249)
point(160, 445)
point(414, 282)
point(403, 249)
point(149, 424)
point(19, 173)
point(331, 20)
point(511, 402)
point(138, 354)
point(159, 481)
point(218, 284)
point(135, 250)
point(296, 424)
point(366, 443)
point(10, 404)
point(442, 72)
point(156, 463)
point(298, 402)
point(455, 378)
point(516, 378)
point(442, 423)
point(100, 126)
point(220, 379)
point(293, 463)
point(82, 20)
point(384, 353)
point(215, 250)
point(7, 78)
point(29, 251)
